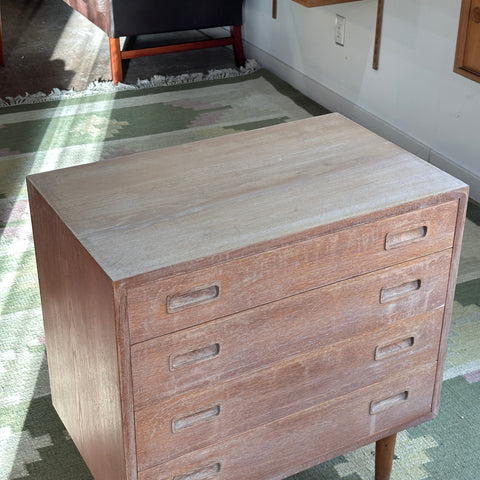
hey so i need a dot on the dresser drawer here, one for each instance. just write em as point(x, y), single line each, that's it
point(310, 436)
point(187, 423)
point(224, 348)
point(185, 300)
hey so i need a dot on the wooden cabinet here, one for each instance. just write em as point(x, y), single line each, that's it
point(467, 57)
point(248, 306)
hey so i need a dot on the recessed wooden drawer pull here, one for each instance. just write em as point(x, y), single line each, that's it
point(194, 356)
point(203, 473)
point(383, 351)
point(381, 405)
point(392, 293)
point(405, 237)
point(190, 299)
point(191, 419)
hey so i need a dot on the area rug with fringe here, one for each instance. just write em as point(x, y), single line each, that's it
point(44, 132)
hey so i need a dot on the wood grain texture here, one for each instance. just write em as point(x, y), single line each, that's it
point(281, 390)
point(451, 285)
point(284, 329)
point(384, 453)
point(471, 56)
point(184, 313)
point(97, 11)
point(271, 181)
point(286, 446)
point(462, 36)
point(310, 264)
point(79, 318)
point(467, 54)
point(115, 60)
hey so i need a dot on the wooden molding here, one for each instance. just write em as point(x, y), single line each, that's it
point(320, 3)
point(466, 41)
point(378, 35)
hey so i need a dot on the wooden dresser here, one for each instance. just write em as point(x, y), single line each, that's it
point(245, 307)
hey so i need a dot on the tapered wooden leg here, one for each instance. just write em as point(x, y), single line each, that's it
point(238, 45)
point(115, 60)
point(384, 451)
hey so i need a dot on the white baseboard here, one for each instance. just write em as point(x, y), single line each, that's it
point(336, 103)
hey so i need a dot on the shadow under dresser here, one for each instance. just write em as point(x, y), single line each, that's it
point(248, 306)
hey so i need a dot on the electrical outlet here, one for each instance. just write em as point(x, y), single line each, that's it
point(340, 30)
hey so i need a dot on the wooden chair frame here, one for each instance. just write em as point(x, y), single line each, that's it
point(117, 55)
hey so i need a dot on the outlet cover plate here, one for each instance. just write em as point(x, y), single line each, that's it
point(340, 30)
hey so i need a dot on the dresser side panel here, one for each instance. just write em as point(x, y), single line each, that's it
point(79, 316)
point(451, 284)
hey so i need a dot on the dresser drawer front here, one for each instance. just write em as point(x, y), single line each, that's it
point(186, 300)
point(340, 424)
point(193, 358)
point(186, 423)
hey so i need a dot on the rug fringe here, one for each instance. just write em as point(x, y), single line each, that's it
point(98, 87)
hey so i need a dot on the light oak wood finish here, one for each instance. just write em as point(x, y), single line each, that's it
point(467, 56)
point(183, 200)
point(248, 306)
point(323, 259)
point(80, 316)
point(320, 433)
point(302, 323)
point(287, 387)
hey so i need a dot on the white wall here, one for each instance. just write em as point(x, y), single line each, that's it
point(414, 99)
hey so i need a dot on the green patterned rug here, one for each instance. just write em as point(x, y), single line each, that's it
point(64, 130)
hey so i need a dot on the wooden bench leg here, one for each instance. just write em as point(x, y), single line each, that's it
point(384, 451)
point(238, 45)
point(115, 60)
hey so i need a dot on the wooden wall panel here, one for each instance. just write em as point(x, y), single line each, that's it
point(467, 57)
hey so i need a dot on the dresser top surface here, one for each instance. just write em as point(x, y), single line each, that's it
point(153, 210)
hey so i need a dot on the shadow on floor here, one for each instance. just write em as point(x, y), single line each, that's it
point(46, 451)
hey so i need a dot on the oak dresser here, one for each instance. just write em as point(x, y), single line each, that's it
point(248, 306)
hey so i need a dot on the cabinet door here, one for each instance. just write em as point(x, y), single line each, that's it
point(467, 60)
